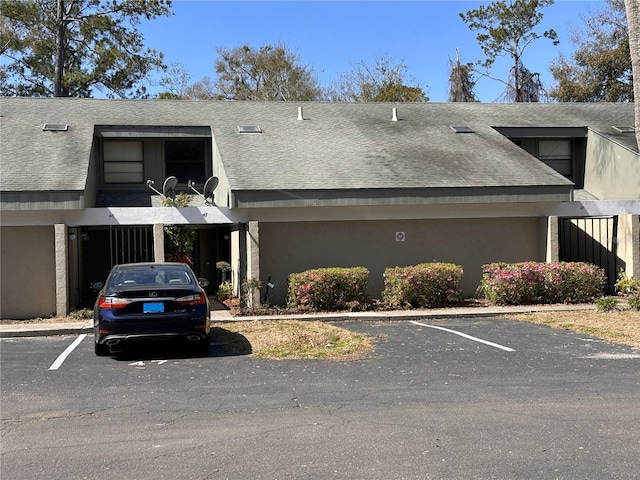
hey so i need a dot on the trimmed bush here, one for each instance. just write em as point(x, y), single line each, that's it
point(634, 302)
point(574, 282)
point(424, 285)
point(329, 288)
point(534, 282)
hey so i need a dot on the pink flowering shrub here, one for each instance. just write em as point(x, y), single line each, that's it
point(423, 285)
point(328, 288)
point(535, 282)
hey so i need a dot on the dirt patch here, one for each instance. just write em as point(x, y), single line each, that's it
point(621, 326)
point(290, 339)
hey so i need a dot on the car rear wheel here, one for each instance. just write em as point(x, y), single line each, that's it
point(101, 350)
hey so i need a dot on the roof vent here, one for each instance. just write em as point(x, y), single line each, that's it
point(461, 129)
point(394, 114)
point(55, 127)
point(249, 129)
point(623, 129)
point(300, 115)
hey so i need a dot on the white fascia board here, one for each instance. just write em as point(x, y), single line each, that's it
point(597, 208)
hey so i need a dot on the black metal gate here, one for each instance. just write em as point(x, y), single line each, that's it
point(131, 244)
point(592, 240)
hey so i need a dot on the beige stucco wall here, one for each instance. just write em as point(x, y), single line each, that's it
point(297, 246)
point(612, 172)
point(27, 272)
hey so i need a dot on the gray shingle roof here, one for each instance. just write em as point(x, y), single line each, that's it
point(337, 146)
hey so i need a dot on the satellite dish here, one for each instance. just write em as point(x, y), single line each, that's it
point(168, 187)
point(209, 187)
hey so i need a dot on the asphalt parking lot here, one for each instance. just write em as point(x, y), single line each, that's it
point(439, 399)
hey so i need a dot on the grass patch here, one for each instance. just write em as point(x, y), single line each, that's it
point(617, 326)
point(291, 339)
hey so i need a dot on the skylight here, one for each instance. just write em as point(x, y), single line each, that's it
point(249, 129)
point(462, 129)
point(624, 128)
point(55, 127)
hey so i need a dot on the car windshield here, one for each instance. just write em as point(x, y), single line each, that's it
point(151, 276)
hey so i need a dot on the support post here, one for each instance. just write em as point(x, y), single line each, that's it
point(158, 242)
point(253, 259)
point(61, 256)
point(553, 241)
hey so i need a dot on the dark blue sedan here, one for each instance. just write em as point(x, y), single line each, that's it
point(151, 301)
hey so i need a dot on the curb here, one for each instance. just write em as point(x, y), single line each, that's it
point(45, 330)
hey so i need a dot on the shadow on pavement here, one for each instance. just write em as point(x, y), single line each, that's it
point(223, 344)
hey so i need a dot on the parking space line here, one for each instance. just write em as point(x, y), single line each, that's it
point(63, 356)
point(475, 339)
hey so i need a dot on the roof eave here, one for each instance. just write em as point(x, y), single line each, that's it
point(390, 197)
point(45, 200)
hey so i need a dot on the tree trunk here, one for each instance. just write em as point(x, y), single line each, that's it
point(60, 41)
point(633, 23)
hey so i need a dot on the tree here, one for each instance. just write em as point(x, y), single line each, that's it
point(179, 239)
point(529, 83)
point(201, 90)
point(268, 73)
point(461, 82)
point(507, 29)
point(600, 67)
point(175, 81)
point(633, 21)
point(177, 87)
point(68, 48)
point(380, 82)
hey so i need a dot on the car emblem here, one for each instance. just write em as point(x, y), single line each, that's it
point(153, 294)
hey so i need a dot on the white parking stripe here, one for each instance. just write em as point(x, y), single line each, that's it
point(63, 356)
point(475, 339)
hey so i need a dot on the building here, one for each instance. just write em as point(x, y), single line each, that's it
point(307, 185)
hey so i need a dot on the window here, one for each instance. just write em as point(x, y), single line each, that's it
point(557, 154)
point(123, 162)
point(185, 160)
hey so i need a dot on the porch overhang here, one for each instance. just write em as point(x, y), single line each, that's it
point(123, 216)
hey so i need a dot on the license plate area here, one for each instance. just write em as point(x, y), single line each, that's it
point(153, 307)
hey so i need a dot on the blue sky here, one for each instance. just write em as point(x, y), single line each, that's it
point(332, 36)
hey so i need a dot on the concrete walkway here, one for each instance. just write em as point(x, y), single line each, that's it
point(45, 328)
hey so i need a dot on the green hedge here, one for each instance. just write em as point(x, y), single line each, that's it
point(423, 285)
point(534, 282)
point(329, 288)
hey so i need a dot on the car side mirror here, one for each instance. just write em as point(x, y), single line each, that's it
point(203, 282)
point(97, 286)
